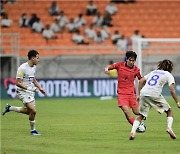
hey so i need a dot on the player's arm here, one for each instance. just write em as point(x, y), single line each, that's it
point(19, 81)
point(142, 82)
point(38, 86)
point(106, 70)
point(110, 67)
point(20, 84)
point(173, 94)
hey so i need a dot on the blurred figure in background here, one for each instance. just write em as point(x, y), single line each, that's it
point(6, 22)
point(91, 9)
point(122, 43)
point(111, 8)
point(99, 38)
point(38, 26)
point(71, 26)
point(79, 39)
point(115, 37)
point(107, 20)
point(54, 9)
point(48, 33)
point(33, 19)
point(23, 21)
point(55, 26)
point(98, 19)
point(80, 21)
point(63, 20)
point(90, 32)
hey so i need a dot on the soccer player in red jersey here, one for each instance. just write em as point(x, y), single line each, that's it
point(127, 72)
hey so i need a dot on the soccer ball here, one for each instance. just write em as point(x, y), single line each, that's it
point(141, 128)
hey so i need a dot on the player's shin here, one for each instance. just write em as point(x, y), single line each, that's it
point(32, 124)
point(135, 126)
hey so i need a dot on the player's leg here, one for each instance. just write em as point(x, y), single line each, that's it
point(169, 124)
point(144, 108)
point(124, 103)
point(29, 103)
point(127, 114)
point(24, 97)
point(161, 105)
point(134, 105)
point(136, 123)
point(17, 109)
point(32, 113)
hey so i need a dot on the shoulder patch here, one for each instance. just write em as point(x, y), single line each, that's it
point(20, 73)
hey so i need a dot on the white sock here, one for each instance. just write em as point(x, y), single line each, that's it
point(135, 126)
point(16, 109)
point(32, 124)
point(169, 122)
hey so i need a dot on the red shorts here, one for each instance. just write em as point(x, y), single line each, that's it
point(127, 100)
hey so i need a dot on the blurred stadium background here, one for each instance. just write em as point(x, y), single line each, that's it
point(63, 59)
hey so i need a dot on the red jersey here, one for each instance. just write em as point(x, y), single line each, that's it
point(126, 77)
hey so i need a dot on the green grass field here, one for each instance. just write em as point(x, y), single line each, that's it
point(84, 126)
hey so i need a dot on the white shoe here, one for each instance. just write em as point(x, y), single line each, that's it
point(171, 133)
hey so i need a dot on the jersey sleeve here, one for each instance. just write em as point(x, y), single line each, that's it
point(170, 79)
point(113, 66)
point(20, 73)
point(138, 74)
point(146, 76)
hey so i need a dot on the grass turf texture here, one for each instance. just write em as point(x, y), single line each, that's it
point(84, 126)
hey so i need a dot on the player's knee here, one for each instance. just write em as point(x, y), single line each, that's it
point(33, 112)
point(136, 112)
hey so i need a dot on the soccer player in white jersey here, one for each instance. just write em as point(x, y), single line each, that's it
point(27, 85)
point(150, 88)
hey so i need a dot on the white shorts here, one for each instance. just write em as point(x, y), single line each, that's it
point(26, 96)
point(158, 103)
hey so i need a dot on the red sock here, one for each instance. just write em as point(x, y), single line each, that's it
point(131, 120)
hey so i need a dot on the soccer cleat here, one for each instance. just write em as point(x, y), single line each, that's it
point(34, 132)
point(171, 133)
point(132, 136)
point(6, 109)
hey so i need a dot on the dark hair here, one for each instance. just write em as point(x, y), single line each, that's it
point(165, 65)
point(32, 53)
point(131, 54)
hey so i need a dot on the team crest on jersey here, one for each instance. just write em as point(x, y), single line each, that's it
point(20, 73)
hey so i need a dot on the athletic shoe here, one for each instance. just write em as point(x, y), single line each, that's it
point(132, 136)
point(171, 133)
point(6, 109)
point(34, 132)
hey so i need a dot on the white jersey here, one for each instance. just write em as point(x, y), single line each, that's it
point(155, 82)
point(27, 74)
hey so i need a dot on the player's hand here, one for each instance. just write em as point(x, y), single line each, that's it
point(106, 70)
point(178, 104)
point(42, 91)
point(33, 89)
